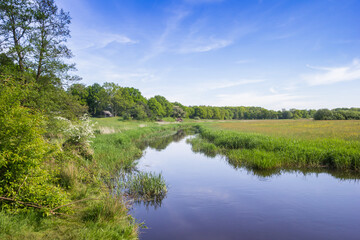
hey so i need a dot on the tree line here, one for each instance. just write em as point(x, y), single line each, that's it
point(338, 114)
point(131, 104)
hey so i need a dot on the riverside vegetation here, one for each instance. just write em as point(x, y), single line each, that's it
point(278, 144)
point(85, 178)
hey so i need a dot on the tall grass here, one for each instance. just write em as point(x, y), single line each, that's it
point(146, 186)
point(265, 152)
point(105, 219)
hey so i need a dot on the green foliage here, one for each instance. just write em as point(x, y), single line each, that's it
point(165, 104)
point(96, 99)
point(23, 151)
point(54, 101)
point(178, 112)
point(323, 114)
point(337, 114)
point(15, 30)
point(156, 108)
point(80, 92)
point(140, 111)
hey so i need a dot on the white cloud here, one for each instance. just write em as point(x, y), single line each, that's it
point(95, 39)
point(332, 75)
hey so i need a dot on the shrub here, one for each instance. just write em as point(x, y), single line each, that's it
point(77, 132)
point(23, 151)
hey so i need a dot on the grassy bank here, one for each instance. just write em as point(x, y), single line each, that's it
point(86, 176)
point(269, 151)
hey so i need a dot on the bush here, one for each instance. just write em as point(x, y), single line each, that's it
point(23, 151)
point(77, 132)
point(323, 114)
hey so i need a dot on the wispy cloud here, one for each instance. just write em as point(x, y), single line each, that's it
point(96, 39)
point(282, 36)
point(205, 45)
point(227, 84)
point(172, 24)
point(330, 75)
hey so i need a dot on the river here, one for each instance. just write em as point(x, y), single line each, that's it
point(210, 199)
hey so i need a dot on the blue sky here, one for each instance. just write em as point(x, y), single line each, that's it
point(273, 54)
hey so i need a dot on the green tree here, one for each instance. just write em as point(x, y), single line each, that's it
point(178, 112)
point(80, 92)
point(51, 31)
point(156, 108)
point(140, 111)
point(15, 30)
point(166, 105)
point(97, 99)
point(323, 114)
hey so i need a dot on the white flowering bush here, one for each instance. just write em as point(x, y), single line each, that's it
point(78, 131)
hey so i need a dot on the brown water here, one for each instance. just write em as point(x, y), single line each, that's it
point(210, 199)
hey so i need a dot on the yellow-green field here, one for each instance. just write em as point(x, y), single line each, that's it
point(305, 129)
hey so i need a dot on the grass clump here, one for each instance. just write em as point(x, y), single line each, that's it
point(147, 186)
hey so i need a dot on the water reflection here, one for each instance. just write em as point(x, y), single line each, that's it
point(212, 198)
point(162, 143)
point(264, 173)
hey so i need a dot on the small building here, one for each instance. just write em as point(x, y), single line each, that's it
point(107, 114)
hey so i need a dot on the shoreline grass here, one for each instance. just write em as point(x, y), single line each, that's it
point(145, 186)
point(260, 151)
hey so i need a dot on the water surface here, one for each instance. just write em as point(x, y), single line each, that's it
point(210, 199)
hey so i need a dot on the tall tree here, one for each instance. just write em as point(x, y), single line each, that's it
point(51, 31)
point(156, 108)
point(15, 29)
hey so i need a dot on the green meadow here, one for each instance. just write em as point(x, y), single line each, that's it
point(270, 144)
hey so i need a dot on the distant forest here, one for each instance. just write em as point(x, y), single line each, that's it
point(130, 104)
